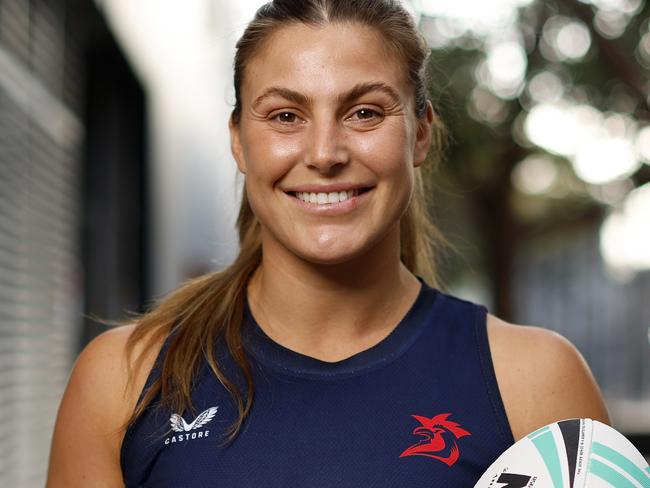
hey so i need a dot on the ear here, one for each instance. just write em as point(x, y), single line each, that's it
point(236, 147)
point(424, 135)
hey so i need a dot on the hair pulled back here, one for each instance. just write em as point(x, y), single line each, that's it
point(209, 309)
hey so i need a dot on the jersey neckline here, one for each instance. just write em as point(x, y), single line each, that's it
point(275, 356)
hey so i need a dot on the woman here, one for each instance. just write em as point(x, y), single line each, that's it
point(318, 358)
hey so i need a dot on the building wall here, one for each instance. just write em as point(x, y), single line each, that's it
point(50, 213)
point(40, 207)
point(182, 52)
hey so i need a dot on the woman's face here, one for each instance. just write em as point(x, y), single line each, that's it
point(328, 139)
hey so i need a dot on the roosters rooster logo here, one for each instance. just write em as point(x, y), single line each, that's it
point(439, 441)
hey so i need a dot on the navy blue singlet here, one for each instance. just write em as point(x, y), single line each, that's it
point(419, 409)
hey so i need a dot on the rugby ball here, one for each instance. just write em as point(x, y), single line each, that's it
point(576, 453)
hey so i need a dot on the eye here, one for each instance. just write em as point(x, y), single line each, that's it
point(365, 114)
point(286, 117)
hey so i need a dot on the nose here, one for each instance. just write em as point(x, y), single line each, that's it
point(327, 148)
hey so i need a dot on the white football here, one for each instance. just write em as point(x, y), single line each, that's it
point(576, 453)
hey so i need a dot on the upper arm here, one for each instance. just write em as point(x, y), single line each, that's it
point(96, 404)
point(542, 378)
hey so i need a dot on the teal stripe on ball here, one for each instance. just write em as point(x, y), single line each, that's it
point(610, 475)
point(622, 462)
point(545, 444)
point(532, 435)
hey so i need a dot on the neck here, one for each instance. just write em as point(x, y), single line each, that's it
point(331, 311)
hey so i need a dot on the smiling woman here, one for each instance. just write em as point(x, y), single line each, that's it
point(312, 130)
point(325, 347)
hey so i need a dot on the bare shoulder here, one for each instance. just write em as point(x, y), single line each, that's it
point(97, 402)
point(542, 377)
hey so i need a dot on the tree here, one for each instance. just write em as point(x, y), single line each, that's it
point(494, 83)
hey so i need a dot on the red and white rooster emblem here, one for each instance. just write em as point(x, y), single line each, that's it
point(439, 441)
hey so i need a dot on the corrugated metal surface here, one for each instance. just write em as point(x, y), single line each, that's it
point(40, 284)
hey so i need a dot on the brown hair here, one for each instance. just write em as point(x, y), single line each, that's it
point(210, 308)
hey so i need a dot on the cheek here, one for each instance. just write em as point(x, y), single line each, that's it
point(390, 147)
point(269, 157)
point(279, 146)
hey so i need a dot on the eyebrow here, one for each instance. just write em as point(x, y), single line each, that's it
point(362, 88)
point(356, 92)
point(287, 94)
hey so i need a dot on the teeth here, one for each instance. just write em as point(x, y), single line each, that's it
point(326, 198)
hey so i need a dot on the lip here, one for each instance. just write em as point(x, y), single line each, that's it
point(331, 209)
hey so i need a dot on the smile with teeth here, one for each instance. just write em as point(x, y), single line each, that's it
point(326, 198)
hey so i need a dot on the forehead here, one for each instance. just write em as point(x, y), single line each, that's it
point(321, 60)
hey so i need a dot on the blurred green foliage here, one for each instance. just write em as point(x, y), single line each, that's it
point(477, 200)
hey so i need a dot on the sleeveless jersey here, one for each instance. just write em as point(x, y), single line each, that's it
point(419, 409)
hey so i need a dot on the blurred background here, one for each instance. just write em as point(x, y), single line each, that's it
point(116, 180)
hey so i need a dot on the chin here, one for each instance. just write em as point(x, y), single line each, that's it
point(335, 255)
point(329, 258)
point(331, 247)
